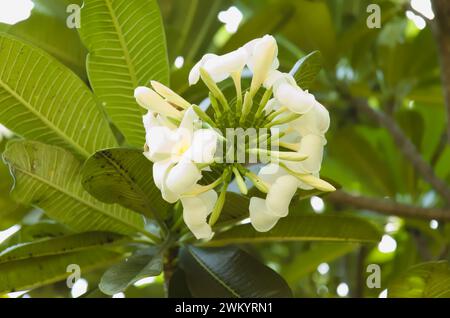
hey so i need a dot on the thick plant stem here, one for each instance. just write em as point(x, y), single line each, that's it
point(169, 266)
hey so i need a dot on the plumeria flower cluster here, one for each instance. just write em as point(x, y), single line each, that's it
point(184, 142)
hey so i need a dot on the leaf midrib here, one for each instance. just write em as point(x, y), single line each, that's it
point(216, 277)
point(76, 198)
point(119, 32)
point(54, 128)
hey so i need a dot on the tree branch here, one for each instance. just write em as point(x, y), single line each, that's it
point(441, 30)
point(388, 207)
point(406, 147)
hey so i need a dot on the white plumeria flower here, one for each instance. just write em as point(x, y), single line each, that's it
point(220, 67)
point(263, 58)
point(264, 214)
point(195, 212)
point(149, 99)
point(176, 153)
point(276, 78)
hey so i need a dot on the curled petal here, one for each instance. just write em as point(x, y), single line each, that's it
point(316, 121)
point(194, 75)
point(271, 172)
point(203, 147)
point(294, 98)
point(312, 147)
point(161, 142)
point(276, 78)
point(195, 212)
point(281, 194)
point(221, 67)
point(182, 177)
point(261, 219)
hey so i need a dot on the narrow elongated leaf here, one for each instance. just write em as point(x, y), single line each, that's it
point(58, 246)
point(127, 49)
point(229, 272)
point(124, 176)
point(144, 263)
point(40, 99)
point(36, 272)
point(306, 69)
point(50, 178)
point(427, 280)
point(303, 228)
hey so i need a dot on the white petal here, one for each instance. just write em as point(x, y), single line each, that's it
point(182, 177)
point(312, 146)
point(272, 105)
point(280, 195)
point(260, 217)
point(161, 142)
point(150, 100)
point(271, 172)
point(263, 60)
point(221, 67)
point(316, 121)
point(194, 75)
point(160, 170)
point(294, 98)
point(276, 78)
point(203, 147)
point(195, 213)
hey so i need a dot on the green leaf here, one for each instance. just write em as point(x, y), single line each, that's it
point(178, 287)
point(40, 99)
point(124, 176)
point(47, 29)
point(127, 49)
point(303, 228)
point(58, 246)
point(35, 272)
point(142, 264)
point(306, 69)
point(50, 178)
point(229, 272)
point(427, 280)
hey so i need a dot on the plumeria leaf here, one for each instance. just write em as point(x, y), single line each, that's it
point(49, 177)
point(35, 272)
point(229, 272)
point(303, 228)
point(58, 246)
point(47, 29)
point(40, 99)
point(124, 176)
point(427, 280)
point(127, 49)
point(144, 263)
point(306, 69)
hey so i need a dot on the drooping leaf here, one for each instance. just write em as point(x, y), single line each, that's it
point(229, 272)
point(178, 287)
point(47, 29)
point(427, 280)
point(50, 178)
point(35, 272)
point(127, 49)
point(40, 99)
point(144, 263)
point(303, 228)
point(124, 176)
point(58, 246)
point(306, 69)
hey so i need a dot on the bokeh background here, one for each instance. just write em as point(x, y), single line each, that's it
point(388, 147)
